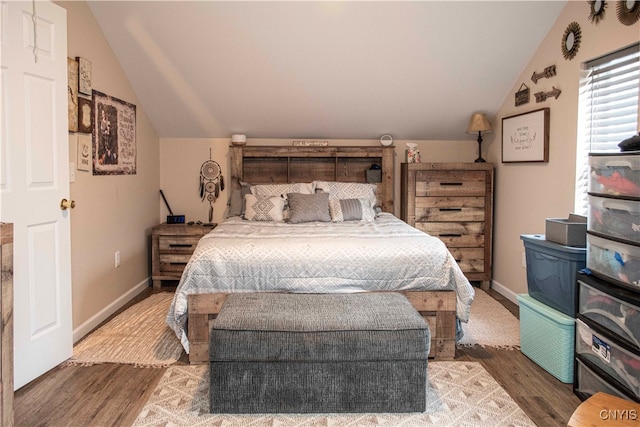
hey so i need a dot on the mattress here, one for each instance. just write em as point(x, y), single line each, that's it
point(318, 257)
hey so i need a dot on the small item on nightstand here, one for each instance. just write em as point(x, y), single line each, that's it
point(171, 218)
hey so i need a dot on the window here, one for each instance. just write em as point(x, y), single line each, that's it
point(608, 110)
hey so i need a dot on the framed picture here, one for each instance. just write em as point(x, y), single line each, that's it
point(114, 136)
point(84, 115)
point(84, 153)
point(525, 137)
point(72, 93)
point(84, 76)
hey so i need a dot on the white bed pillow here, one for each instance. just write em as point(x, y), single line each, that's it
point(282, 189)
point(347, 190)
point(351, 210)
point(264, 208)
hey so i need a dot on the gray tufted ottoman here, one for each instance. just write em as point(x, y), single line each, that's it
point(309, 353)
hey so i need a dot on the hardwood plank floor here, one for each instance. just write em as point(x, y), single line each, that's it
point(113, 395)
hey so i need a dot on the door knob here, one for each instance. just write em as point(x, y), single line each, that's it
point(67, 204)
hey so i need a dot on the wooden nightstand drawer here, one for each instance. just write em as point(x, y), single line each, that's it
point(173, 263)
point(177, 244)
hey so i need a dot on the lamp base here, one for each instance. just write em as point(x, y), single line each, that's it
point(480, 159)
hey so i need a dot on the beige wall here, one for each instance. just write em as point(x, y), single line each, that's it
point(527, 193)
point(113, 213)
point(180, 161)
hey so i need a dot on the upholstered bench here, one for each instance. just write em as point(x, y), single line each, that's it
point(311, 353)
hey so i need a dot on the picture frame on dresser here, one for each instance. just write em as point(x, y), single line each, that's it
point(525, 137)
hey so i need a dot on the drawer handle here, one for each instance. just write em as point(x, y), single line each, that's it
point(180, 245)
point(450, 235)
point(450, 183)
point(178, 263)
point(450, 209)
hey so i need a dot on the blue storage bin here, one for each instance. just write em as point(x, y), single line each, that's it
point(547, 337)
point(551, 272)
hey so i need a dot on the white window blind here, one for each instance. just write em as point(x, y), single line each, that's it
point(608, 111)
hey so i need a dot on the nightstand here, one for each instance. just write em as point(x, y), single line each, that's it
point(171, 248)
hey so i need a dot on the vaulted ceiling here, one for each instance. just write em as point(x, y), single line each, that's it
point(343, 70)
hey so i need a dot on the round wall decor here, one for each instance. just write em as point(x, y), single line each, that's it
point(597, 10)
point(386, 140)
point(628, 11)
point(571, 40)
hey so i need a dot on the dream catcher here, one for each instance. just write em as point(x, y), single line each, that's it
point(211, 183)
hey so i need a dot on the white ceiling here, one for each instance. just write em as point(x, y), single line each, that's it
point(335, 70)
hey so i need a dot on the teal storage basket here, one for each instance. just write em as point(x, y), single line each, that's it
point(547, 337)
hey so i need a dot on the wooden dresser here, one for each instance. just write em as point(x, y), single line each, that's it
point(171, 248)
point(453, 201)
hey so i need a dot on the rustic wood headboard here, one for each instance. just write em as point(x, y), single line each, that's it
point(287, 164)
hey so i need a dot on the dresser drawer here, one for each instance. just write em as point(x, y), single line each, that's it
point(456, 234)
point(177, 244)
point(450, 183)
point(470, 260)
point(450, 209)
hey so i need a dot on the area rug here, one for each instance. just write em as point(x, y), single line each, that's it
point(459, 394)
point(138, 336)
point(490, 324)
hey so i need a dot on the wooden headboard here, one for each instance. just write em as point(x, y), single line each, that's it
point(287, 164)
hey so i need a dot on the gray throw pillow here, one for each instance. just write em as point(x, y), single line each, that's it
point(308, 207)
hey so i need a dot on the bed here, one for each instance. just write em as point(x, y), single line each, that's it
point(380, 255)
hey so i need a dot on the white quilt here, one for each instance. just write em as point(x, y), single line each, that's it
point(318, 257)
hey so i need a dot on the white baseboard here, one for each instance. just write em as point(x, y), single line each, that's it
point(505, 292)
point(104, 314)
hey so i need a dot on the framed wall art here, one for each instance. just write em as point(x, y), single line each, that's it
point(84, 76)
point(72, 93)
point(525, 137)
point(84, 115)
point(114, 136)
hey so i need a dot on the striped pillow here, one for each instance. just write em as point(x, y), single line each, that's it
point(351, 210)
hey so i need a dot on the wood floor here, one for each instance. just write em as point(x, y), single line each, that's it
point(113, 395)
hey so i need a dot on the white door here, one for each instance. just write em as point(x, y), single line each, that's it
point(34, 177)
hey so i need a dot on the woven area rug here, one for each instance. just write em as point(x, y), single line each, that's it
point(138, 336)
point(490, 324)
point(459, 394)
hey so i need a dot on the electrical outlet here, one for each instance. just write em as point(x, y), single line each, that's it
point(117, 256)
point(524, 260)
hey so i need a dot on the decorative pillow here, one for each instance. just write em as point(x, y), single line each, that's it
point(259, 208)
point(348, 190)
point(351, 210)
point(308, 207)
point(281, 189)
point(236, 202)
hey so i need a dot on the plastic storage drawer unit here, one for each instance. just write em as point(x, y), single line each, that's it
point(615, 174)
point(614, 260)
point(547, 337)
point(623, 365)
point(588, 383)
point(614, 217)
point(551, 272)
point(612, 307)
